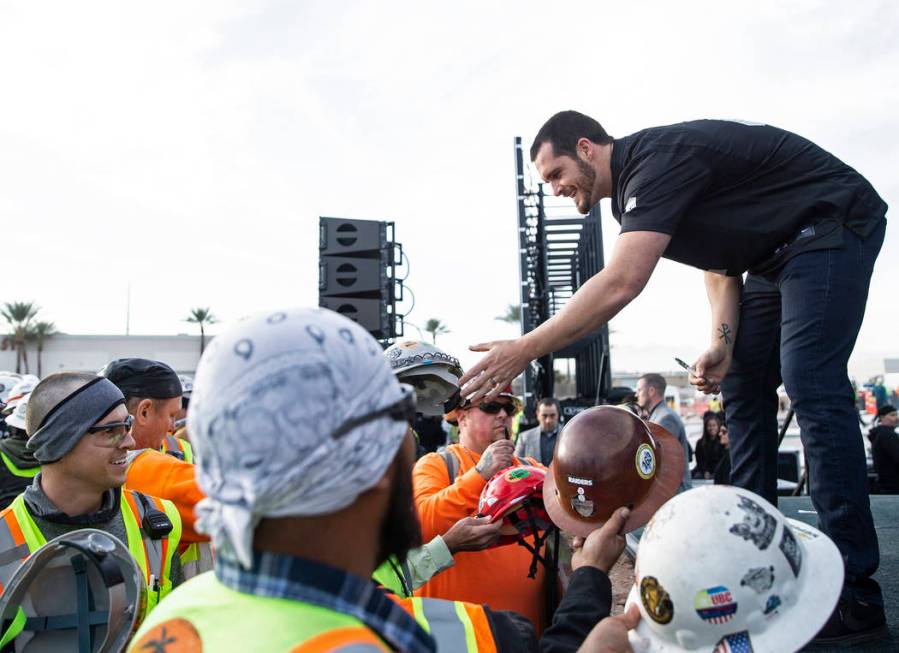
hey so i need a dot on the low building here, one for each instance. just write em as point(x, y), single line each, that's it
point(90, 353)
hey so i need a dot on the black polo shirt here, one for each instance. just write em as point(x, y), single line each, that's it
point(736, 196)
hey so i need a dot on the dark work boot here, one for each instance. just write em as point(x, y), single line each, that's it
point(853, 622)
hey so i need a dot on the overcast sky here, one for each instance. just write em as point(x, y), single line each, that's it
point(189, 148)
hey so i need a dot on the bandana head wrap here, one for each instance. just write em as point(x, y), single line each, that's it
point(269, 394)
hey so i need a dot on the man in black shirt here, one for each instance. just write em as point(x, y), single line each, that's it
point(731, 198)
point(885, 449)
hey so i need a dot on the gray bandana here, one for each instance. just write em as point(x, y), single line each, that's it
point(66, 424)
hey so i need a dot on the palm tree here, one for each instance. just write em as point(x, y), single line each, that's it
point(435, 327)
point(512, 316)
point(19, 316)
point(201, 316)
point(40, 331)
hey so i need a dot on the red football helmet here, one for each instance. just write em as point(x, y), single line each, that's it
point(514, 496)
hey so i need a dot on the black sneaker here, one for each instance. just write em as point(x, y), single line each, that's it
point(852, 622)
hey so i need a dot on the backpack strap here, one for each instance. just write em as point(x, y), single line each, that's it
point(452, 465)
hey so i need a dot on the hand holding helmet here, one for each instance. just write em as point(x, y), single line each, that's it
point(602, 547)
point(472, 534)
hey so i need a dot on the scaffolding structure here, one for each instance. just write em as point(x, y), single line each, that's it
point(559, 250)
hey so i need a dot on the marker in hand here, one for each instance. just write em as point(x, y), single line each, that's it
point(689, 368)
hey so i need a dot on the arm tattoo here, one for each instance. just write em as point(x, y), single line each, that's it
point(725, 334)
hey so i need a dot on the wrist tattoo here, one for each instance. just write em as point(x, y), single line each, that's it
point(725, 334)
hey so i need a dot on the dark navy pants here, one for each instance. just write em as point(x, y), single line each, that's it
point(799, 325)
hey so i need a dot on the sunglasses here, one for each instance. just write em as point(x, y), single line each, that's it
point(111, 434)
point(402, 410)
point(493, 407)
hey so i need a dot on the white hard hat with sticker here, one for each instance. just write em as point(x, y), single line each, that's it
point(720, 569)
point(7, 381)
point(432, 372)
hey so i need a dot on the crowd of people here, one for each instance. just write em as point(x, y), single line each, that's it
point(334, 529)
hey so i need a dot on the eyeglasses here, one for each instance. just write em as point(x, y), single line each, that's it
point(493, 407)
point(402, 410)
point(111, 434)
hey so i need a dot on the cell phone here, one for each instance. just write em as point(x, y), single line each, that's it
point(689, 368)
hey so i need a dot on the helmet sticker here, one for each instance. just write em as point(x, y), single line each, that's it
point(656, 600)
point(790, 548)
point(516, 475)
point(646, 461)
point(580, 481)
point(735, 642)
point(582, 505)
point(715, 605)
point(771, 606)
point(759, 578)
point(757, 525)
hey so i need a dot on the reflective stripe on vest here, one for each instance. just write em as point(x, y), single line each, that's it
point(29, 472)
point(154, 557)
point(353, 639)
point(196, 558)
point(448, 623)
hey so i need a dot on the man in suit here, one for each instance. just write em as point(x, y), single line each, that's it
point(540, 441)
point(651, 398)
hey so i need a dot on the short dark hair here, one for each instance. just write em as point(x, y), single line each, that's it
point(563, 131)
point(550, 401)
point(656, 381)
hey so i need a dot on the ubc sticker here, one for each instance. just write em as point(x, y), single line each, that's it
point(715, 605)
point(646, 461)
point(580, 481)
point(656, 600)
point(759, 578)
point(757, 525)
point(516, 475)
point(790, 548)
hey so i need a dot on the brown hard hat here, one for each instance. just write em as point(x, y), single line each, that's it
point(606, 458)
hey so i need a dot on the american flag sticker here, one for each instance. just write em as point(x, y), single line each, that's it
point(736, 643)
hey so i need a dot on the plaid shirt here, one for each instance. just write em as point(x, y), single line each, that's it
point(286, 577)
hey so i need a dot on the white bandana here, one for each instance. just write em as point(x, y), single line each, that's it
point(267, 396)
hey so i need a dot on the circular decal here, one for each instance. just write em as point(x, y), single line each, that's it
point(516, 475)
point(656, 601)
point(172, 636)
point(715, 605)
point(646, 461)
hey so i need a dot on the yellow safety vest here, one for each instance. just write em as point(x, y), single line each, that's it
point(178, 447)
point(29, 472)
point(20, 537)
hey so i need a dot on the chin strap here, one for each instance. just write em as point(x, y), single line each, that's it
point(550, 562)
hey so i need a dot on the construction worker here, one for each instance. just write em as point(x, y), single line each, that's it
point(176, 442)
point(80, 433)
point(447, 488)
point(325, 495)
point(19, 464)
point(153, 398)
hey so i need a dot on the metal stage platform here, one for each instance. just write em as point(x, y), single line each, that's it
point(886, 520)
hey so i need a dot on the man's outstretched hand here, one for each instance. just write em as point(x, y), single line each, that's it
point(505, 359)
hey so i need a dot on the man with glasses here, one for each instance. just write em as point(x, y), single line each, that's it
point(80, 433)
point(448, 485)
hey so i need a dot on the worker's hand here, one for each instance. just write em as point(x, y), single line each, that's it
point(610, 634)
point(504, 361)
point(497, 456)
point(711, 368)
point(602, 547)
point(471, 534)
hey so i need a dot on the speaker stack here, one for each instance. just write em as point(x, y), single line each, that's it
point(357, 273)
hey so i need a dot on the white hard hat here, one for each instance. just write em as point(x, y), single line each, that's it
point(432, 372)
point(84, 577)
point(7, 381)
point(721, 568)
point(187, 384)
point(19, 390)
point(17, 417)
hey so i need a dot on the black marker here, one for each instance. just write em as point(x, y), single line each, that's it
point(689, 368)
